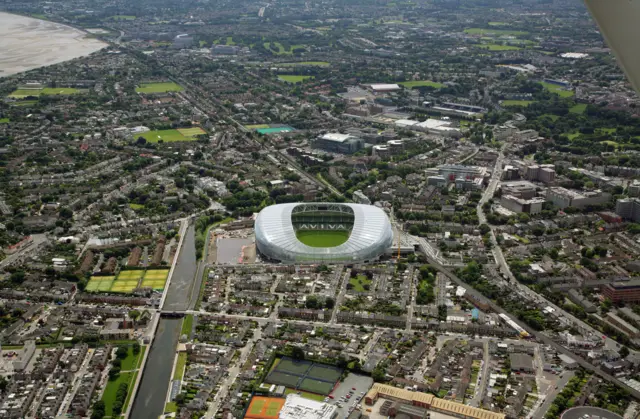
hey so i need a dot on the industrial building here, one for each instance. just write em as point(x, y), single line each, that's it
point(528, 206)
point(182, 41)
point(562, 197)
point(418, 404)
point(339, 143)
point(225, 50)
point(629, 209)
point(297, 407)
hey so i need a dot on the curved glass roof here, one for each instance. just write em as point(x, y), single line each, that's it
point(276, 238)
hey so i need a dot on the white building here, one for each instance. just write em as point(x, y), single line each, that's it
point(297, 407)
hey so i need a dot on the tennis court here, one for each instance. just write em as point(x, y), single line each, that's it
point(283, 379)
point(155, 279)
point(191, 132)
point(100, 283)
point(124, 285)
point(325, 373)
point(315, 386)
point(287, 365)
point(264, 407)
point(130, 275)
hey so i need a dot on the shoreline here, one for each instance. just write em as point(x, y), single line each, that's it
point(30, 43)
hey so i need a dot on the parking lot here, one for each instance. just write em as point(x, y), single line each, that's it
point(361, 383)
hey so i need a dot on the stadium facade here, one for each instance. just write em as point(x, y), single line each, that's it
point(369, 232)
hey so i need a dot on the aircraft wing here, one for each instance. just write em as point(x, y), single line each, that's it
point(619, 22)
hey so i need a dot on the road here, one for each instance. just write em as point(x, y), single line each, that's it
point(484, 375)
point(540, 336)
point(550, 397)
point(38, 239)
point(234, 371)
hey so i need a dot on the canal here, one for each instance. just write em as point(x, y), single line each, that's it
point(151, 396)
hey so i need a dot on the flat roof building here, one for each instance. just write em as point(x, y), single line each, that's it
point(429, 402)
point(628, 291)
point(298, 407)
point(338, 143)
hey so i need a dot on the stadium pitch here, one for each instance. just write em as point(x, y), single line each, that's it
point(322, 238)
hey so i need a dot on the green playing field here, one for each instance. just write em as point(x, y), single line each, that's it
point(322, 238)
point(158, 87)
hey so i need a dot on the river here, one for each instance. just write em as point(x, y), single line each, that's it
point(151, 396)
point(27, 43)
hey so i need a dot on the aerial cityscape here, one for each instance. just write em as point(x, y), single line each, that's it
point(316, 210)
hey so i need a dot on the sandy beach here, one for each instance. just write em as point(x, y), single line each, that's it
point(27, 43)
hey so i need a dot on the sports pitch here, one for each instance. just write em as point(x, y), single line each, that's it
point(322, 238)
point(156, 279)
point(22, 93)
point(158, 87)
point(130, 275)
point(124, 285)
point(172, 135)
point(264, 407)
point(100, 283)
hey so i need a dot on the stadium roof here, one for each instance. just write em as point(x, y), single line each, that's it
point(276, 238)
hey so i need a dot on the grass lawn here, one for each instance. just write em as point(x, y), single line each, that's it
point(553, 117)
point(4, 120)
point(163, 87)
point(606, 130)
point(421, 83)
point(578, 108)
point(187, 325)
point(498, 23)
point(178, 373)
point(306, 63)
point(109, 395)
point(166, 135)
point(478, 31)
point(516, 102)
point(294, 79)
point(203, 44)
point(171, 407)
point(322, 238)
point(306, 395)
point(573, 135)
point(136, 206)
point(559, 90)
point(359, 282)
point(280, 50)
point(123, 17)
point(25, 103)
point(22, 93)
point(131, 362)
point(610, 143)
point(230, 40)
point(257, 126)
point(497, 47)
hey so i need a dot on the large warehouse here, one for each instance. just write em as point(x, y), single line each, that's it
point(322, 233)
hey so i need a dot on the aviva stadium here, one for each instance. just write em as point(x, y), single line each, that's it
point(322, 233)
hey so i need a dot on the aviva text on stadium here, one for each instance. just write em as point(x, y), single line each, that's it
point(322, 233)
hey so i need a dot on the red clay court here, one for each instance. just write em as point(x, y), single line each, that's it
point(264, 407)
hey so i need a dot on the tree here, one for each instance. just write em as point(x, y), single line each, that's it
point(98, 410)
point(114, 373)
point(624, 352)
point(65, 213)
point(141, 141)
point(311, 302)
point(134, 315)
point(484, 229)
point(297, 353)
point(329, 303)
point(17, 277)
point(122, 352)
point(136, 348)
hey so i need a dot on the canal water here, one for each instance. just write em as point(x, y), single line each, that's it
point(151, 396)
